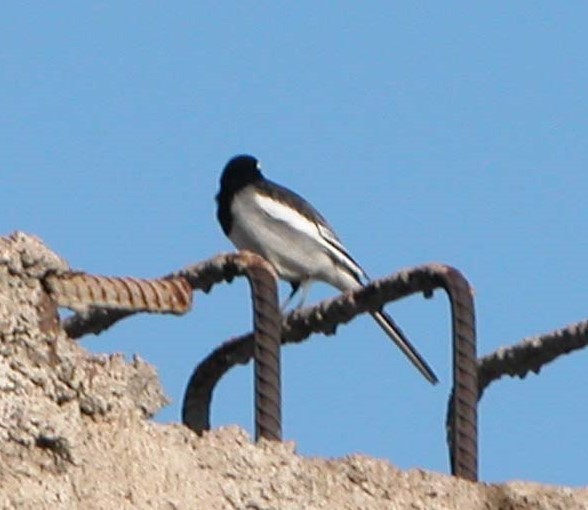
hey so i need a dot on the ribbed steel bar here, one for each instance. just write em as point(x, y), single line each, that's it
point(201, 276)
point(198, 394)
point(462, 419)
point(531, 354)
point(265, 347)
point(267, 321)
point(125, 296)
point(100, 301)
point(324, 318)
point(80, 291)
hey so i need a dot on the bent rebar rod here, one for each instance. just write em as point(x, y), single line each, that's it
point(266, 336)
point(531, 354)
point(81, 291)
point(265, 346)
point(324, 318)
point(201, 276)
point(101, 301)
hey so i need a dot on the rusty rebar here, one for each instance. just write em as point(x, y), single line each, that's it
point(531, 354)
point(462, 416)
point(267, 323)
point(80, 291)
point(100, 301)
point(201, 276)
point(87, 293)
point(265, 346)
point(92, 321)
point(198, 394)
point(324, 318)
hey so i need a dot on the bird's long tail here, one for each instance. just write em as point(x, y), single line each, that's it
point(398, 337)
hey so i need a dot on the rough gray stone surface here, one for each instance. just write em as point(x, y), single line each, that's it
point(75, 434)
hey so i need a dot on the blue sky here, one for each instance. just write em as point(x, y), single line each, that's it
point(453, 132)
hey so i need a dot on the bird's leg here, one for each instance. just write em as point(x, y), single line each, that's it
point(303, 287)
point(295, 286)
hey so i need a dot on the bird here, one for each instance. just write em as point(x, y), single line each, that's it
point(266, 218)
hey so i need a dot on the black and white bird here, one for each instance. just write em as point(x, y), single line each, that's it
point(259, 215)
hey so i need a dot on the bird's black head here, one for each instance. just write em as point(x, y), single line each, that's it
point(239, 172)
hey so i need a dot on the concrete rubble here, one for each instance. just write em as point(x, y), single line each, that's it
point(75, 433)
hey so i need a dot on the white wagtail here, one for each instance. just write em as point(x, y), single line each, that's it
point(266, 218)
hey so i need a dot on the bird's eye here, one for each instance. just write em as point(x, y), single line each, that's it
point(258, 164)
